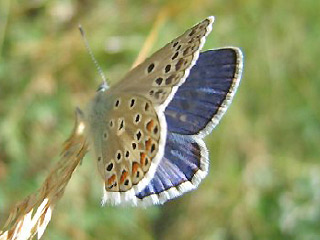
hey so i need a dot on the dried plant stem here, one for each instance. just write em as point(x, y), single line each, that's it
point(32, 215)
point(149, 42)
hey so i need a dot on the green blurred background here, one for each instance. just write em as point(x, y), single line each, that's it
point(264, 179)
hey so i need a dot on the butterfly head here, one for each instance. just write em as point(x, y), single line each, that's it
point(103, 87)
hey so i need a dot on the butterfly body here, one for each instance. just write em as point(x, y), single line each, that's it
point(147, 129)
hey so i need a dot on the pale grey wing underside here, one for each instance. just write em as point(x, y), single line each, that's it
point(128, 138)
point(158, 77)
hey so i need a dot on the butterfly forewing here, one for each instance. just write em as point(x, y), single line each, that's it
point(157, 76)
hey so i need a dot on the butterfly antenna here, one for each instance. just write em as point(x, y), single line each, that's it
point(104, 83)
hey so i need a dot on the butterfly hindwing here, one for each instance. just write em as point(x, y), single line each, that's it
point(183, 166)
point(129, 143)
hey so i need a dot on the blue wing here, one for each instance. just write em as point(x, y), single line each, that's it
point(205, 95)
point(184, 164)
point(195, 110)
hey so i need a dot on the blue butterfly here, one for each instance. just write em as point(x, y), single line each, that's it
point(147, 130)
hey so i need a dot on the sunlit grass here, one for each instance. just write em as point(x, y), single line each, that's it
point(263, 182)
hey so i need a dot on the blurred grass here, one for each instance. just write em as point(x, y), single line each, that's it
point(264, 181)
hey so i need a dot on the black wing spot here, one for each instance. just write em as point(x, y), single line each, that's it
point(168, 67)
point(192, 32)
point(111, 123)
point(153, 147)
point(121, 124)
point(146, 107)
point(134, 146)
point(139, 135)
point(150, 67)
point(159, 81)
point(186, 51)
point(132, 102)
point(105, 135)
point(117, 103)
point(179, 64)
point(137, 118)
point(175, 56)
point(109, 167)
point(169, 80)
point(155, 130)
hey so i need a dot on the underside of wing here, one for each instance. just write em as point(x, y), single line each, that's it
point(129, 137)
point(159, 76)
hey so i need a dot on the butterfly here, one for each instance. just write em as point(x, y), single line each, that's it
point(147, 130)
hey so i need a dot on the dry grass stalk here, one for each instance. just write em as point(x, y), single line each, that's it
point(31, 216)
point(152, 37)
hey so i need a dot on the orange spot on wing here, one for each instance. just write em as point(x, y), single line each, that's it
point(142, 158)
point(123, 177)
point(135, 167)
point(148, 144)
point(150, 125)
point(111, 179)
